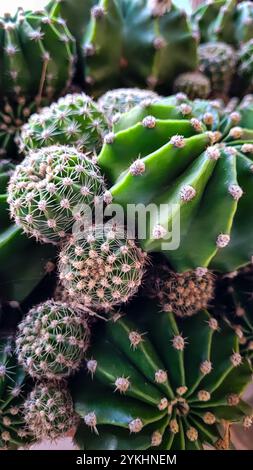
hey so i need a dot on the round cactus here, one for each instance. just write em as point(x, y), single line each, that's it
point(52, 340)
point(101, 267)
point(193, 84)
point(217, 61)
point(13, 391)
point(115, 102)
point(72, 120)
point(195, 160)
point(245, 66)
point(155, 380)
point(48, 411)
point(37, 52)
point(183, 294)
point(49, 188)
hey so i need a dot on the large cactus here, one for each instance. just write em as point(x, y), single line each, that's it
point(197, 161)
point(153, 380)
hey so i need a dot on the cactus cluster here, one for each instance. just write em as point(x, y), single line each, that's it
point(193, 84)
point(13, 391)
point(156, 381)
point(52, 340)
point(48, 190)
point(101, 267)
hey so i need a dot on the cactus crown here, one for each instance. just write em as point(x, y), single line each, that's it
point(218, 61)
point(52, 340)
point(153, 381)
point(48, 188)
point(72, 120)
point(193, 84)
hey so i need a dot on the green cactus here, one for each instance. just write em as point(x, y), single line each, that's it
point(72, 120)
point(48, 411)
point(116, 102)
point(193, 84)
point(137, 43)
point(48, 189)
point(218, 62)
point(19, 273)
point(155, 380)
point(163, 154)
point(101, 267)
point(245, 67)
point(13, 391)
point(245, 109)
point(52, 340)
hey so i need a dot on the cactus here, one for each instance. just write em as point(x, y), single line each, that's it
point(14, 246)
point(101, 267)
point(13, 390)
point(156, 381)
point(140, 43)
point(73, 120)
point(52, 340)
point(193, 84)
point(37, 53)
point(116, 102)
point(49, 188)
point(218, 62)
point(245, 67)
point(48, 411)
point(163, 154)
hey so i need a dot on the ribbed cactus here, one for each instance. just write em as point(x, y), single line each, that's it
point(52, 340)
point(218, 62)
point(72, 120)
point(13, 391)
point(193, 84)
point(155, 381)
point(116, 102)
point(245, 66)
point(197, 161)
point(48, 411)
point(48, 190)
point(19, 273)
point(37, 53)
point(137, 43)
point(101, 267)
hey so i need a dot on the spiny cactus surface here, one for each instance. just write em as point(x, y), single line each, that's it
point(155, 381)
point(193, 84)
point(245, 66)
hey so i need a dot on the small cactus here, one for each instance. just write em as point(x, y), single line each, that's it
point(48, 411)
point(102, 268)
point(47, 188)
point(72, 120)
point(13, 391)
point(193, 84)
point(245, 67)
point(52, 340)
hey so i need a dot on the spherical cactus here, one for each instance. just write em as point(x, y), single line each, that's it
point(193, 84)
point(245, 66)
point(37, 53)
point(183, 161)
point(154, 380)
point(52, 340)
point(49, 188)
point(48, 411)
point(13, 392)
point(115, 102)
point(72, 120)
point(101, 267)
point(218, 61)
point(183, 294)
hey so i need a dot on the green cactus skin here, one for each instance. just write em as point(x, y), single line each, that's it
point(193, 84)
point(14, 246)
point(48, 188)
point(245, 109)
point(245, 67)
point(13, 391)
point(155, 380)
point(116, 102)
point(139, 43)
point(52, 340)
point(48, 411)
point(218, 62)
point(37, 55)
point(207, 174)
point(72, 120)
point(102, 268)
